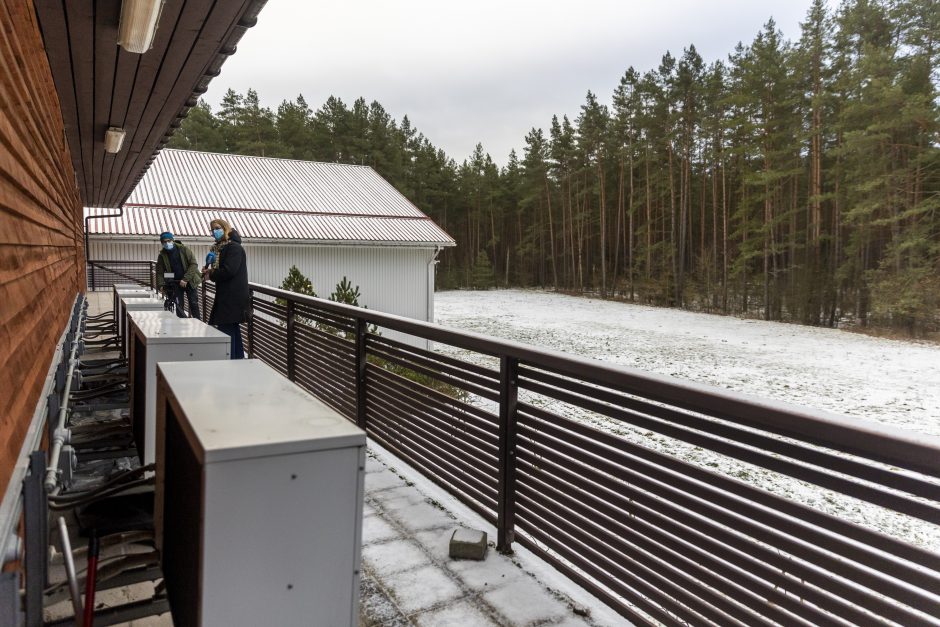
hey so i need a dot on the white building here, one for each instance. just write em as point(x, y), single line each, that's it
point(330, 220)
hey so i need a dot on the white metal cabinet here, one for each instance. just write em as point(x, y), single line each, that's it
point(258, 503)
point(131, 304)
point(127, 292)
point(155, 337)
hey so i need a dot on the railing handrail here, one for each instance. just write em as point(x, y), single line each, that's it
point(120, 268)
point(857, 436)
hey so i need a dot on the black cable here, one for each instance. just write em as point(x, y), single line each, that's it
point(101, 495)
point(115, 480)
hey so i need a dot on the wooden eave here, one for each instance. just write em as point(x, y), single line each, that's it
point(100, 84)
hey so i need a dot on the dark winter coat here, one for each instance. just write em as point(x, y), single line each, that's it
point(231, 284)
point(190, 269)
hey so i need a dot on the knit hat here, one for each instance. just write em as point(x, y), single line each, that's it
point(166, 235)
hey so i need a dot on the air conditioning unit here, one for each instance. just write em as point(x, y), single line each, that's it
point(155, 336)
point(258, 505)
point(120, 315)
point(130, 305)
point(126, 287)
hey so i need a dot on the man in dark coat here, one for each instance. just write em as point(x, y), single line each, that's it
point(229, 271)
point(179, 259)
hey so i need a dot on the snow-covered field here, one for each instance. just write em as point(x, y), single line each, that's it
point(888, 381)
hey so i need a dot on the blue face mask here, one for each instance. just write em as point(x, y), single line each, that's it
point(168, 245)
point(217, 234)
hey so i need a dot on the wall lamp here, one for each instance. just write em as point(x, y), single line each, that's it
point(113, 139)
point(139, 20)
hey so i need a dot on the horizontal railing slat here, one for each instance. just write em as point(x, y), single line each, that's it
point(654, 536)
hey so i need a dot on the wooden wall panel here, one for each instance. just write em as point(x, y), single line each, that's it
point(41, 256)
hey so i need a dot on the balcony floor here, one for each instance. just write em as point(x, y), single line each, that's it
point(407, 575)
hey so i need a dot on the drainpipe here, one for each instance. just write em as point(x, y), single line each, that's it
point(429, 291)
point(89, 219)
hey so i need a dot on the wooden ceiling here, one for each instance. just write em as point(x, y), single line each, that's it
point(100, 84)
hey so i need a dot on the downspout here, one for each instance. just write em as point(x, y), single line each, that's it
point(429, 292)
point(88, 219)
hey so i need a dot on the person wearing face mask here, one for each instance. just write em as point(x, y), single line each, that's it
point(229, 270)
point(179, 259)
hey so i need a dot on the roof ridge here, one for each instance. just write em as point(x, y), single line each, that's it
point(291, 159)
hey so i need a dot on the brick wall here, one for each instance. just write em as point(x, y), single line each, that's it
point(41, 256)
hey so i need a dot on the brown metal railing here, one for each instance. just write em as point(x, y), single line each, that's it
point(599, 470)
point(102, 274)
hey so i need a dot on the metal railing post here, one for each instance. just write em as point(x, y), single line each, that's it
point(506, 500)
point(202, 298)
point(153, 274)
point(291, 347)
point(91, 269)
point(361, 330)
point(251, 324)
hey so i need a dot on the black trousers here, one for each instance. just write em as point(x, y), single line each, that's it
point(192, 294)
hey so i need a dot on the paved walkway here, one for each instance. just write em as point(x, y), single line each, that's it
point(409, 579)
point(407, 576)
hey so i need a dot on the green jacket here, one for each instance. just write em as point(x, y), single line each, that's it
point(191, 274)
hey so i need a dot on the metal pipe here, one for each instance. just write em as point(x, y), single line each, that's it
point(88, 219)
point(59, 435)
point(12, 503)
point(70, 572)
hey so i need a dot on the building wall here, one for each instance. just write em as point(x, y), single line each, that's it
point(391, 279)
point(41, 268)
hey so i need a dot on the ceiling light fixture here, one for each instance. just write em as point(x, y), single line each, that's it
point(139, 20)
point(113, 139)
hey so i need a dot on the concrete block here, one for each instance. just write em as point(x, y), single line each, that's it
point(468, 544)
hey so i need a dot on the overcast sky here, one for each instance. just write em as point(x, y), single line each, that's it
point(483, 71)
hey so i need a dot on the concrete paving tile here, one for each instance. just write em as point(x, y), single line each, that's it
point(421, 589)
point(394, 499)
point(463, 614)
point(577, 621)
point(374, 465)
point(524, 601)
point(377, 529)
point(393, 557)
point(423, 515)
point(436, 542)
point(495, 571)
point(375, 608)
point(382, 480)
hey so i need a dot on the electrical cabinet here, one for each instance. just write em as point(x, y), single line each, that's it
point(258, 505)
point(155, 337)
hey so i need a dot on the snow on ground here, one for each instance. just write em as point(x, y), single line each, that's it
point(888, 381)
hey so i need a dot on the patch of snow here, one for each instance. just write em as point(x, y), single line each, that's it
point(890, 381)
point(422, 589)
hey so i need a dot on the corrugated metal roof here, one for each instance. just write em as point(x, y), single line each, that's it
point(270, 225)
point(185, 178)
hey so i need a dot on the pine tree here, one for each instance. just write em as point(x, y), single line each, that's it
point(201, 131)
point(295, 281)
point(345, 293)
point(293, 127)
point(482, 277)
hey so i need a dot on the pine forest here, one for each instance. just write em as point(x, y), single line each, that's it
point(791, 180)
